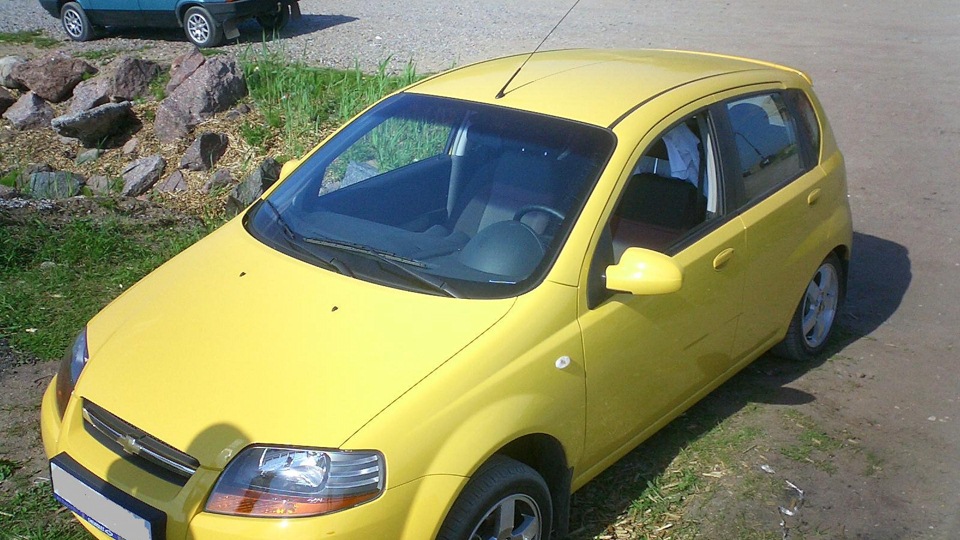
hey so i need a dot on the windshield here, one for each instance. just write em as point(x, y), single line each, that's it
point(438, 196)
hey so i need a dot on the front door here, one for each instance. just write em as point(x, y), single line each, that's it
point(648, 357)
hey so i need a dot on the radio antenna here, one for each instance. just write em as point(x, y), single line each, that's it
point(503, 90)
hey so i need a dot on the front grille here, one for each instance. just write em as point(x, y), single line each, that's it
point(137, 446)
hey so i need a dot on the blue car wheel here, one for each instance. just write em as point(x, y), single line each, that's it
point(201, 28)
point(75, 22)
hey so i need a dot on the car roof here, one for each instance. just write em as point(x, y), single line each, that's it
point(588, 85)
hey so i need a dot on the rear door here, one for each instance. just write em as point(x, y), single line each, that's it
point(781, 201)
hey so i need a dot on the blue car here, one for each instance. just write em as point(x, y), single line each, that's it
point(206, 22)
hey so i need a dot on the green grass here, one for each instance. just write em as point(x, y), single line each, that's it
point(55, 276)
point(33, 37)
point(95, 55)
point(32, 513)
point(299, 102)
point(813, 444)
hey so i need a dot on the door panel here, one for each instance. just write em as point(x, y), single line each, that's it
point(646, 355)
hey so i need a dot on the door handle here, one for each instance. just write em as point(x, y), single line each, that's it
point(813, 197)
point(722, 258)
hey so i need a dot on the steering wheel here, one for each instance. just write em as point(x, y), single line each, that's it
point(524, 210)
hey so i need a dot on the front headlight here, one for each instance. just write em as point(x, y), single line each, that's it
point(281, 482)
point(70, 367)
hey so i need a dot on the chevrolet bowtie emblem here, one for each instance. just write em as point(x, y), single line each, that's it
point(130, 445)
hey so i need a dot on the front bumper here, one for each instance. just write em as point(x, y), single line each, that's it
point(240, 9)
point(412, 511)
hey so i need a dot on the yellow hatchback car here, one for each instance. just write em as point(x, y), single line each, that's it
point(462, 306)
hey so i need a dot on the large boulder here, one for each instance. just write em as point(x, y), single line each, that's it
point(89, 94)
point(29, 112)
point(123, 80)
point(214, 87)
point(205, 152)
point(7, 64)
point(183, 67)
point(96, 126)
point(53, 77)
point(131, 77)
point(253, 186)
point(140, 175)
point(6, 99)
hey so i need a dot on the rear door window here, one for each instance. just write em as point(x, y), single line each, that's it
point(767, 143)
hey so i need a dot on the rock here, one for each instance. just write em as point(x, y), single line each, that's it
point(7, 192)
point(130, 147)
point(48, 265)
point(99, 185)
point(237, 112)
point(24, 177)
point(253, 186)
point(29, 112)
point(183, 66)
point(53, 77)
point(88, 156)
point(124, 80)
point(214, 87)
point(6, 99)
point(89, 94)
point(7, 64)
point(221, 178)
point(175, 183)
point(139, 176)
point(131, 78)
point(204, 153)
point(95, 126)
point(53, 185)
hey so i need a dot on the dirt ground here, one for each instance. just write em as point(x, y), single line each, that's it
point(888, 74)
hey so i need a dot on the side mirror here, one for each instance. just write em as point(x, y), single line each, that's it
point(644, 272)
point(288, 167)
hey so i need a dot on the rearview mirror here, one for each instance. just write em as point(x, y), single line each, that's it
point(644, 272)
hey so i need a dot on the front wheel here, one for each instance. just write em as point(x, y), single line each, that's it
point(201, 28)
point(75, 22)
point(504, 500)
point(815, 317)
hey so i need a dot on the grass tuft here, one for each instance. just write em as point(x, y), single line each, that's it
point(31, 37)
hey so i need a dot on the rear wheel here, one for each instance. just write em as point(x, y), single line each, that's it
point(274, 21)
point(815, 317)
point(505, 500)
point(201, 28)
point(75, 22)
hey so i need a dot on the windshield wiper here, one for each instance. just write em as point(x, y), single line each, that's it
point(330, 262)
point(393, 260)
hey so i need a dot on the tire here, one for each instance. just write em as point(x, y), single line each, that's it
point(274, 22)
point(75, 22)
point(201, 28)
point(504, 494)
point(816, 315)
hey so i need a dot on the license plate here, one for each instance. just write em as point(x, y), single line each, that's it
point(114, 513)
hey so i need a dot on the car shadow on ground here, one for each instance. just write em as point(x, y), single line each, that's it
point(250, 30)
point(880, 273)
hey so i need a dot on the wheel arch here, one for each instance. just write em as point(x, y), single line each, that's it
point(546, 455)
point(182, 8)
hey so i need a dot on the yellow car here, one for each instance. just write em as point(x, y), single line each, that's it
point(462, 306)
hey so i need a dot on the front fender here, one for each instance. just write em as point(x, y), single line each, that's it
point(503, 386)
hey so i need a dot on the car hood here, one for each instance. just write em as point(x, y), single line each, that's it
point(232, 343)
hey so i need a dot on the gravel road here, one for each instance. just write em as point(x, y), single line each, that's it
point(888, 74)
